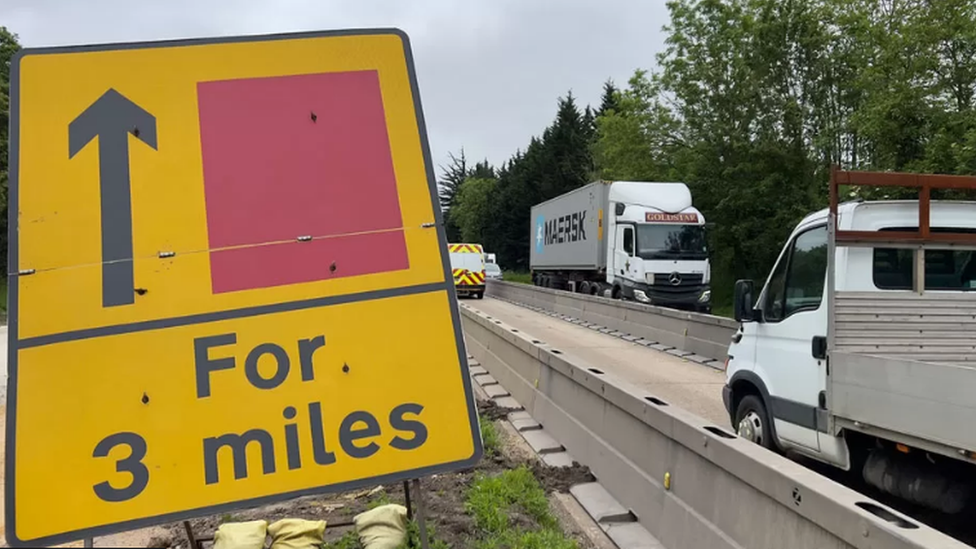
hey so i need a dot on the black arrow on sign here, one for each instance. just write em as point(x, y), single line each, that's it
point(111, 118)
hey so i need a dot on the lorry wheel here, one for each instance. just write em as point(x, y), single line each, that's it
point(584, 288)
point(479, 295)
point(752, 422)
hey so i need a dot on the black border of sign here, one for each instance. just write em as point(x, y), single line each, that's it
point(13, 267)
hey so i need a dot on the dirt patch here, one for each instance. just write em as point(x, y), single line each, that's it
point(487, 409)
point(444, 498)
point(560, 479)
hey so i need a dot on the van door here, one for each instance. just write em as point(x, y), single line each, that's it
point(794, 312)
point(623, 253)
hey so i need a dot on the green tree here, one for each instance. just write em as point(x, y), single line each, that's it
point(637, 139)
point(743, 76)
point(557, 162)
point(472, 208)
point(608, 102)
point(8, 47)
point(452, 176)
point(566, 159)
point(482, 170)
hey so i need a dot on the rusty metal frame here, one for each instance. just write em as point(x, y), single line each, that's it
point(924, 182)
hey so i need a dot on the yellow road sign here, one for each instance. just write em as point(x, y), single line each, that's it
point(231, 283)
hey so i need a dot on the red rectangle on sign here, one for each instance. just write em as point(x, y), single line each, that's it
point(670, 218)
point(298, 156)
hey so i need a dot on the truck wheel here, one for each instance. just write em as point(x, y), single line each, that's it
point(752, 422)
point(479, 295)
point(583, 288)
point(616, 293)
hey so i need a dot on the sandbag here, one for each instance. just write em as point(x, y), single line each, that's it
point(384, 527)
point(297, 534)
point(241, 535)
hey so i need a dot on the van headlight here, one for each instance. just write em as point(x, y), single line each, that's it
point(705, 296)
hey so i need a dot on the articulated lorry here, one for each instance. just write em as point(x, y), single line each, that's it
point(860, 350)
point(634, 240)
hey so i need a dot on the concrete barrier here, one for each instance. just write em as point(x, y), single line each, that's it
point(697, 333)
point(691, 484)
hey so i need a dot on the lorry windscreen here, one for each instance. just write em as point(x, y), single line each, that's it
point(659, 241)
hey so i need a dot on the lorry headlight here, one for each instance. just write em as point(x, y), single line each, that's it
point(639, 295)
point(705, 296)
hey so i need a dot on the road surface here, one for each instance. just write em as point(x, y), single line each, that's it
point(685, 384)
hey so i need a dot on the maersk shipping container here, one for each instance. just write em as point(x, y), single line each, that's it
point(569, 230)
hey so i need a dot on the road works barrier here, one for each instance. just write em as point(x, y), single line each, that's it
point(704, 335)
point(691, 484)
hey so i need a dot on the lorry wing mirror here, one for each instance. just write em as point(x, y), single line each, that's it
point(742, 305)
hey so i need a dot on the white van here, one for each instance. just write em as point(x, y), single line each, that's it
point(858, 361)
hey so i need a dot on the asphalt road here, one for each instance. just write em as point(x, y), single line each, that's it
point(686, 384)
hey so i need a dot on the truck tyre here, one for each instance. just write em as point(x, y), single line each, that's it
point(617, 293)
point(584, 288)
point(752, 422)
point(479, 295)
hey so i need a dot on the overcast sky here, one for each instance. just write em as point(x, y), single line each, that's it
point(490, 71)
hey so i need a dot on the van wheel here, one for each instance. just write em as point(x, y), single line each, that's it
point(752, 422)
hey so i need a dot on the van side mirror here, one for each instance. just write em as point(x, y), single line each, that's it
point(742, 302)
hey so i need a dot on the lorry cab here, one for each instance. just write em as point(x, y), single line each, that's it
point(797, 376)
point(468, 268)
point(657, 252)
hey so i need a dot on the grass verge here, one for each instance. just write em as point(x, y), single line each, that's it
point(489, 437)
point(521, 278)
point(511, 511)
